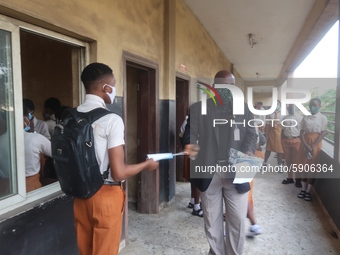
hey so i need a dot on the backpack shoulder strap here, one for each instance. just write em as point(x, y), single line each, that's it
point(95, 114)
point(73, 112)
point(91, 117)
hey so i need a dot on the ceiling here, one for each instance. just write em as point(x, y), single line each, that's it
point(284, 32)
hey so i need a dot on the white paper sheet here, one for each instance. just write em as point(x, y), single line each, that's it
point(244, 173)
point(160, 156)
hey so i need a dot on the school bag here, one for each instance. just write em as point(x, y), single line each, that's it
point(73, 153)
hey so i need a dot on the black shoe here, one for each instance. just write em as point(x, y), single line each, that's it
point(287, 181)
point(298, 184)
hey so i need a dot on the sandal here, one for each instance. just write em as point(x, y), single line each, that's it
point(287, 181)
point(198, 213)
point(308, 197)
point(298, 184)
point(191, 205)
point(302, 194)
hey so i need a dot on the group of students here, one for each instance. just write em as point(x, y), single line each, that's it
point(39, 168)
point(298, 143)
point(98, 220)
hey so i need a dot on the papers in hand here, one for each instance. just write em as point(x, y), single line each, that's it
point(243, 173)
point(161, 156)
point(245, 166)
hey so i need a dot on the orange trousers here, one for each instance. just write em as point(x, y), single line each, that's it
point(33, 182)
point(98, 221)
point(310, 138)
point(293, 153)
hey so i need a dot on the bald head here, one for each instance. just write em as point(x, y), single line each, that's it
point(224, 77)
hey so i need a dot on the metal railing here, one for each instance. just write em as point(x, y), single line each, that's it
point(330, 127)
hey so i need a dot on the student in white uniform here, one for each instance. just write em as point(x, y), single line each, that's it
point(35, 144)
point(313, 130)
point(98, 219)
point(273, 135)
point(51, 106)
point(39, 126)
point(291, 142)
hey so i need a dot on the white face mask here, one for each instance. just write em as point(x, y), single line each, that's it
point(112, 95)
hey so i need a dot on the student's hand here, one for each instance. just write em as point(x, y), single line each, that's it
point(191, 150)
point(152, 165)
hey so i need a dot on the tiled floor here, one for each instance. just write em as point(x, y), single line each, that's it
point(290, 225)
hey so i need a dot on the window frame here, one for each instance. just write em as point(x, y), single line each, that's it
point(22, 200)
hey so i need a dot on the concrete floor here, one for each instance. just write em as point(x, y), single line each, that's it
point(290, 225)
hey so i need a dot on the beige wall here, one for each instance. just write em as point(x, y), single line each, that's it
point(112, 27)
point(265, 98)
point(134, 26)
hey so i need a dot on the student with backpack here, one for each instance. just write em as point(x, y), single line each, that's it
point(99, 218)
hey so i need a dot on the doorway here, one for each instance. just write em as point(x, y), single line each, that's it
point(182, 109)
point(141, 133)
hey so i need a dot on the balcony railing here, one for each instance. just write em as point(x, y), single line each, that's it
point(331, 126)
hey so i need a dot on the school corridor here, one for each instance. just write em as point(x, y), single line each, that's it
point(291, 226)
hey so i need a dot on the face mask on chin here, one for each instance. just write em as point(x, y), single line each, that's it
point(112, 95)
point(27, 127)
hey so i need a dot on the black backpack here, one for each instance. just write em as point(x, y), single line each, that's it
point(73, 153)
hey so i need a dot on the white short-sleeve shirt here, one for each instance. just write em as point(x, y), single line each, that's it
point(314, 123)
point(291, 125)
point(51, 123)
point(34, 145)
point(108, 131)
point(41, 128)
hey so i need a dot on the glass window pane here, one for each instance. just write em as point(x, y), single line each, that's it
point(7, 143)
